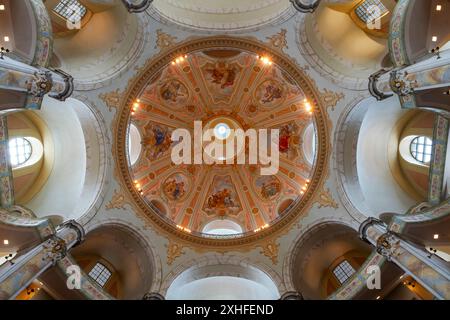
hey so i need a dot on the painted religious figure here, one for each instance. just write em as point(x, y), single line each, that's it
point(220, 79)
point(222, 197)
point(289, 140)
point(268, 187)
point(175, 187)
point(174, 92)
point(157, 141)
point(269, 93)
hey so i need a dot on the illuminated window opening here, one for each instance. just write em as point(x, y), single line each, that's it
point(343, 271)
point(100, 274)
point(370, 10)
point(20, 151)
point(71, 10)
point(421, 149)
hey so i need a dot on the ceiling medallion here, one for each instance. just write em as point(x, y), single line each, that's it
point(230, 86)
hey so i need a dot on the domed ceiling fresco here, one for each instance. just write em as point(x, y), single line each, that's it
point(225, 89)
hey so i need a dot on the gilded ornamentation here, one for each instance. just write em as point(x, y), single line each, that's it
point(112, 99)
point(117, 201)
point(164, 40)
point(387, 245)
point(278, 41)
point(270, 250)
point(41, 83)
point(174, 250)
point(325, 199)
point(330, 98)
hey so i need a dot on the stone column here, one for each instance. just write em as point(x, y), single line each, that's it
point(137, 6)
point(430, 272)
point(34, 82)
point(407, 81)
point(308, 7)
point(26, 268)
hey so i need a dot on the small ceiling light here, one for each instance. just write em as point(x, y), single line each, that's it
point(434, 38)
point(436, 236)
point(378, 298)
point(6, 242)
point(438, 7)
point(2, 7)
point(6, 38)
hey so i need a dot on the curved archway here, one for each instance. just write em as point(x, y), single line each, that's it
point(79, 160)
point(318, 252)
point(126, 255)
point(231, 15)
point(368, 136)
point(104, 45)
point(221, 281)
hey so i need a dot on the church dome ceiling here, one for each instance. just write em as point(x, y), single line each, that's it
point(226, 86)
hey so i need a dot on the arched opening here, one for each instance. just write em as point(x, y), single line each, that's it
point(325, 258)
point(73, 140)
point(338, 41)
point(309, 143)
point(223, 282)
point(117, 259)
point(101, 43)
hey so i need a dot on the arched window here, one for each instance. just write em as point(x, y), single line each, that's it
point(71, 10)
point(370, 10)
point(343, 271)
point(100, 274)
point(20, 151)
point(421, 148)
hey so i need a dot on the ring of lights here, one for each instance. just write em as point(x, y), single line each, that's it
point(152, 67)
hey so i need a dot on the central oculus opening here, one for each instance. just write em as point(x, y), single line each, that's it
point(222, 131)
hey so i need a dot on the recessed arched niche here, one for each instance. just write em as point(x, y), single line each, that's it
point(121, 256)
point(325, 257)
point(223, 282)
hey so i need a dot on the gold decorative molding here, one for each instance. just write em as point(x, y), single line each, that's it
point(111, 99)
point(164, 40)
point(270, 250)
point(118, 201)
point(278, 41)
point(330, 98)
point(325, 199)
point(174, 250)
point(291, 68)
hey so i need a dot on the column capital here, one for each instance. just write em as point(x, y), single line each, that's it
point(139, 7)
point(387, 245)
point(54, 249)
point(78, 228)
point(400, 84)
point(369, 222)
point(305, 8)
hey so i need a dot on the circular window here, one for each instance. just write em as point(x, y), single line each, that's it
point(421, 149)
point(19, 151)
